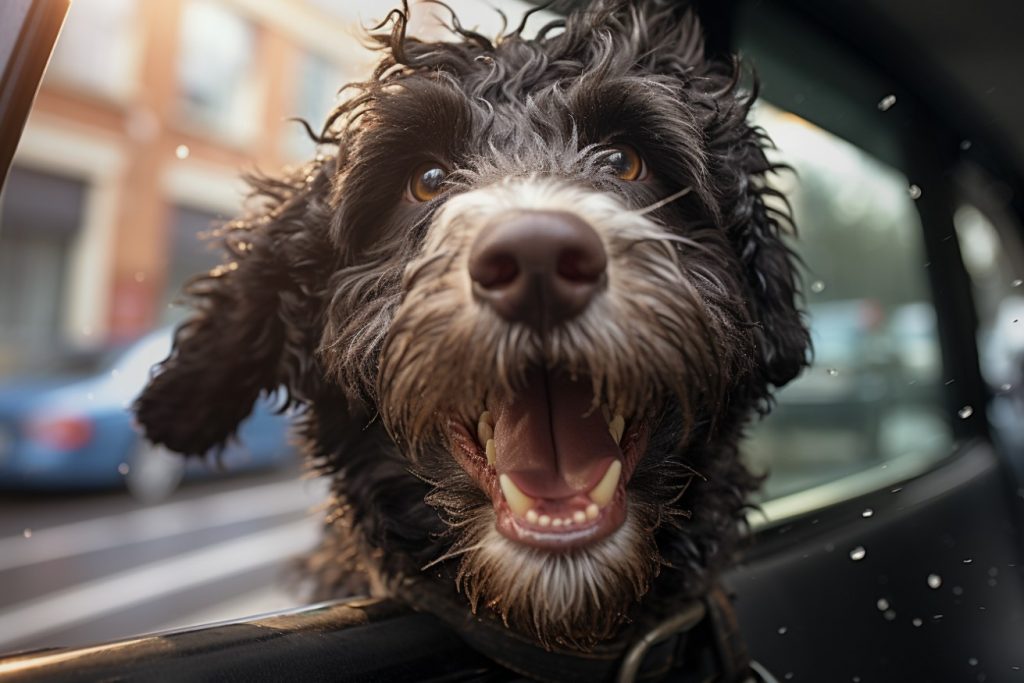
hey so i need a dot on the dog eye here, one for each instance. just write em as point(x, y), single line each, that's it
point(427, 181)
point(626, 163)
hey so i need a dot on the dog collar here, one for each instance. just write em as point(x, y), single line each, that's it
point(697, 643)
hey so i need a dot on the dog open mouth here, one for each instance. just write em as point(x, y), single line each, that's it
point(554, 466)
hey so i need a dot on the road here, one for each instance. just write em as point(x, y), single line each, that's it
point(81, 569)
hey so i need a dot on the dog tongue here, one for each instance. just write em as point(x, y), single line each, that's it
point(550, 440)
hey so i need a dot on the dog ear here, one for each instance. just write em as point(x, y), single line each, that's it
point(756, 217)
point(253, 329)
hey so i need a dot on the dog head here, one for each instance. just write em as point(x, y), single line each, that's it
point(529, 300)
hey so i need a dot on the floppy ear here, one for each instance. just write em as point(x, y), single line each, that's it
point(255, 325)
point(756, 217)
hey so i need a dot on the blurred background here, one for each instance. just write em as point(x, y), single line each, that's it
point(147, 115)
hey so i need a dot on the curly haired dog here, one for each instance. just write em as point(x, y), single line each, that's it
point(528, 298)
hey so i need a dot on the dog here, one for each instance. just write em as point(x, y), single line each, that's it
point(526, 302)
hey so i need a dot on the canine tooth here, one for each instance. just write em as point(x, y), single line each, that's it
point(556, 522)
point(579, 516)
point(544, 520)
point(491, 452)
point(604, 491)
point(593, 511)
point(531, 516)
point(485, 428)
point(519, 502)
point(616, 427)
point(567, 521)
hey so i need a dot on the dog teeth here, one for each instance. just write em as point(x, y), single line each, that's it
point(485, 427)
point(491, 451)
point(580, 516)
point(556, 522)
point(518, 502)
point(531, 516)
point(593, 511)
point(616, 427)
point(544, 520)
point(603, 493)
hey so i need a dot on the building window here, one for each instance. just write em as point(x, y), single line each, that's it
point(40, 217)
point(318, 82)
point(106, 67)
point(216, 71)
point(192, 252)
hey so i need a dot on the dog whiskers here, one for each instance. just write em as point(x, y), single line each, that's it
point(663, 202)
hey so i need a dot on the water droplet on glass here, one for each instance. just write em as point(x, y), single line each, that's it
point(1017, 283)
point(885, 104)
point(27, 533)
point(867, 513)
point(855, 679)
point(968, 560)
point(182, 151)
point(882, 604)
point(858, 553)
point(965, 412)
point(1005, 387)
point(139, 276)
point(782, 630)
point(958, 590)
point(914, 191)
point(934, 581)
point(993, 571)
point(889, 615)
point(896, 490)
point(833, 372)
point(965, 145)
point(115, 373)
point(992, 583)
point(973, 661)
point(123, 468)
point(829, 547)
point(788, 676)
point(916, 621)
point(817, 286)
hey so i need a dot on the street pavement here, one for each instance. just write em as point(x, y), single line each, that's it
point(86, 568)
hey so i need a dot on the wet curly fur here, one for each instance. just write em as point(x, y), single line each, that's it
point(340, 291)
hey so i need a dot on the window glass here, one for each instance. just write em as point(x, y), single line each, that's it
point(216, 70)
point(873, 392)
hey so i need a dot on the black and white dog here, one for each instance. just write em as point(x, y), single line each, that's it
point(528, 301)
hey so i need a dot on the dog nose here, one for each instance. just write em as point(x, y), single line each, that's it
point(540, 268)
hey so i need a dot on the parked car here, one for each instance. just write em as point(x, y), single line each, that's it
point(74, 430)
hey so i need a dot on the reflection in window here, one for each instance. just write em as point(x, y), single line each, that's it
point(105, 67)
point(216, 70)
point(873, 393)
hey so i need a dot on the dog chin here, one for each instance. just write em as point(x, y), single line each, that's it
point(572, 598)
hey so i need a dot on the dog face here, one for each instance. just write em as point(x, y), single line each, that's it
point(529, 305)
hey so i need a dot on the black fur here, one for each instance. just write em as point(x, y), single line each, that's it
point(316, 275)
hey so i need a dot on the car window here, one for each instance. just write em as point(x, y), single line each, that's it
point(872, 407)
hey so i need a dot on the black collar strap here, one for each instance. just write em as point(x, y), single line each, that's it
point(699, 643)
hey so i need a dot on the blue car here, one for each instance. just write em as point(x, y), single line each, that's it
point(75, 431)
